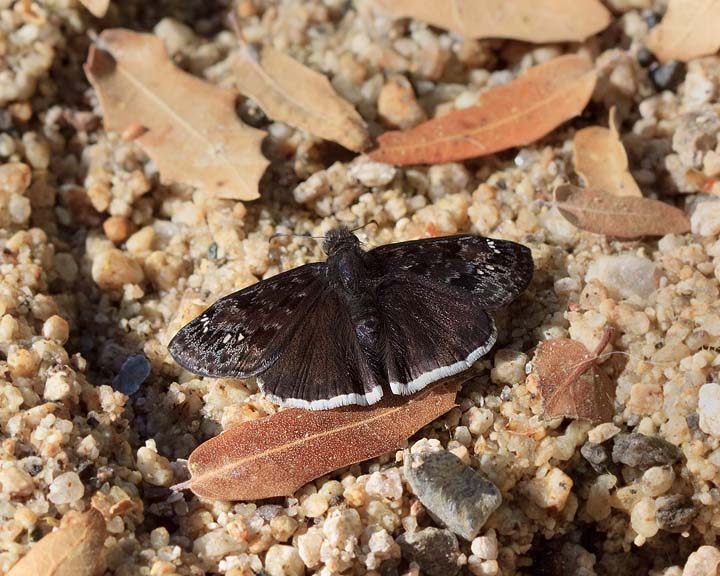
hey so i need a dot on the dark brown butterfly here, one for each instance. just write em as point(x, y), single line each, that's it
point(390, 320)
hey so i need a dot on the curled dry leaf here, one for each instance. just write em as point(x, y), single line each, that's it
point(276, 455)
point(97, 8)
point(570, 382)
point(529, 20)
point(689, 29)
point(619, 216)
point(292, 93)
point(515, 114)
point(601, 160)
point(74, 549)
point(193, 134)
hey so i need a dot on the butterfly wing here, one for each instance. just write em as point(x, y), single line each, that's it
point(495, 272)
point(322, 365)
point(440, 334)
point(243, 333)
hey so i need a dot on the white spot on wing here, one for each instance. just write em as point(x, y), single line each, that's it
point(226, 338)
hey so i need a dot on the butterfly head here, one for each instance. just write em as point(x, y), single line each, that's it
point(338, 240)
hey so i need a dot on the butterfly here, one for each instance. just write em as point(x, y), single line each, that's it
point(362, 324)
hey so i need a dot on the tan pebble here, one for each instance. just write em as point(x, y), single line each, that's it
point(22, 362)
point(56, 328)
point(61, 385)
point(705, 219)
point(397, 104)
point(21, 111)
point(552, 490)
point(141, 241)
point(602, 432)
point(155, 469)
point(315, 505)
point(100, 197)
point(117, 228)
point(164, 270)
point(478, 420)
point(703, 562)
point(8, 327)
point(283, 527)
point(283, 560)
point(37, 150)
point(246, 9)
point(113, 269)
point(308, 545)
point(643, 517)
point(509, 367)
point(14, 178)
point(16, 482)
point(657, 480)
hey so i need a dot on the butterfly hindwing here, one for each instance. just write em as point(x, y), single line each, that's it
point(322, 365)
point(439, 335)
point(495, 272)
point(244, 333)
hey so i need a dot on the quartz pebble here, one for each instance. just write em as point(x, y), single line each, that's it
point(397, 104)
point(155, 469)
point(66, 489)
point(112, 269)
point(281, 560)
point(709, 408)
point(703, 562)
point(624, 275)
point(454, 492)
point(705, 218)
point(435, 551)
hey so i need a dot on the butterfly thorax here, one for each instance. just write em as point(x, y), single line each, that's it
point(346, 263)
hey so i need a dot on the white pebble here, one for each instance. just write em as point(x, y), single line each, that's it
point(709, 409)
point(624, 275)
point(705, 219)
point(283, 560)
point(66, 489)
point(485, 547)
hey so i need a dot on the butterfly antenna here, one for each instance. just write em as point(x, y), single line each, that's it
point(284, 234)
point(365, 225)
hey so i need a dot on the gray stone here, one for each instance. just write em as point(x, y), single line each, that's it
point(597, 455)
point(675, 512)
point(640, 451)
point(133, 372)
point(435, 551)
point(452, 492)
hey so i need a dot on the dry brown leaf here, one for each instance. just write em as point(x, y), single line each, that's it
point(292, 93)
point(689, 29)
point(515, 114)
point(529, 20)
point(601, 160)
point(74, 549)
point(97, 8)
point(276, 455)
point(619, 216)
point(193, 134)
point(570, 382)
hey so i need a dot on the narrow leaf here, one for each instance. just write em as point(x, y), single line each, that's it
point(74, 549)
point(619, 216)
point(515, 114)
point(192, 132)
point(97, 8)
point(292, 93)
point(689, 29)
point(570, 383)
point(276, 455)
point(601, 160)
point(529, 20)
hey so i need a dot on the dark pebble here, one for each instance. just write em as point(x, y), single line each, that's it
point(640, 451)
point(645, 57)
point(675, 512)
point(451, 491)
point(133, 372)
point(435, 551)
point(651, 18)
point(597, 456)
point(667, 76)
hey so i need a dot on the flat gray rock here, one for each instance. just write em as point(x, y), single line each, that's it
point(435, 551)
point(453, 492)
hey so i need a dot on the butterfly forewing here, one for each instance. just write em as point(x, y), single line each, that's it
point(244, 333)
point(494, 271)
